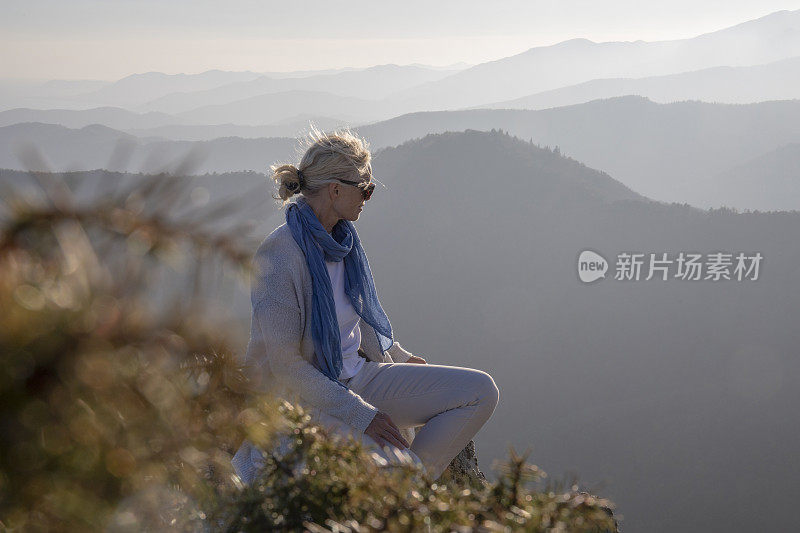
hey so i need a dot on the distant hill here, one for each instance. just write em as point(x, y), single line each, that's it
point(663, 151)
point(49, 147)
point(271, 108)
point(98, 147)
point(161, 125)
point(498, 167)
point(770, 38)
point(112, 117)
point(768, 182)
point(139, 88)
point(372, 83)
point(288, 127)
point(779, 80)
point(252, 191)
point(43, 95)
point(173, 93)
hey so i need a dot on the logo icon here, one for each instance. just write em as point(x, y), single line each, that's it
point(591, 266)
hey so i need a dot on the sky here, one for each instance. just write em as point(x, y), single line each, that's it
point(110, 39)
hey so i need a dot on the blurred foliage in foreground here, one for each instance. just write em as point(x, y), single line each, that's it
point(121, 413)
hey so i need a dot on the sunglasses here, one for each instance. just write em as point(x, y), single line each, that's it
point(366, 191)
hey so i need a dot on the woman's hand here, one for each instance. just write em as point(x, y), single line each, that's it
point(384, 431)
point(417, 360)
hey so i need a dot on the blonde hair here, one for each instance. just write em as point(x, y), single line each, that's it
point(328, 157)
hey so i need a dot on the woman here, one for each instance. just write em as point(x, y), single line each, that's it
point(320, 336)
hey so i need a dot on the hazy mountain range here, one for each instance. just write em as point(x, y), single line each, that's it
point(664, 151)
point(156, 124)
point(112, 117)
point(175, 93)
point(47, 147)
point(269, 108)
point(372, 83)
point(136, 88)
point(391, 90)
point(681, 151)
point(675, 152)
point(779, 80)
point(672, 397)
point(767, 39)
point(294, 126)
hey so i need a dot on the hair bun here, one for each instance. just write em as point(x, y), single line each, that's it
point(295, 186)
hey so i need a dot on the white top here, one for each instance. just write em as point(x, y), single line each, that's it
point(348, 322)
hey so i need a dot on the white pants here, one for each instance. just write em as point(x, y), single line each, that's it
point(450, 403)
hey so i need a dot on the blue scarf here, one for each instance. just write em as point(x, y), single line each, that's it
point(342, 245)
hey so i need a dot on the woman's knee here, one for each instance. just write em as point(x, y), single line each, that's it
point(490, 393)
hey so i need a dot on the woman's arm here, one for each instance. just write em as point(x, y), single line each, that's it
point(398, 353)
point(280, 327)
point(276, 312)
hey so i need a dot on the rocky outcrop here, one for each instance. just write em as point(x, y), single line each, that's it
point(464, 471)
point(464, 467)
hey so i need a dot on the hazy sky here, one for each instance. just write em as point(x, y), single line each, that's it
point(109, 39)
